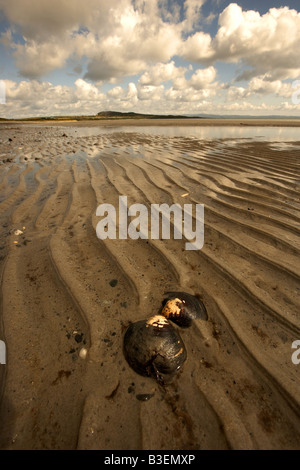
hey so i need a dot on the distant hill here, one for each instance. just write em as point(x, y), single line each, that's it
point(116, 114)
point(100, 116)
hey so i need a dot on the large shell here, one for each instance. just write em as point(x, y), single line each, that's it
point(154, 347)
point(182, 308)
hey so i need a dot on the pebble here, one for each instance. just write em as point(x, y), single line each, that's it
point(78, 338)
point(83, 353)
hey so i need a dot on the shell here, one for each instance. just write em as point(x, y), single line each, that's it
point(182, 308)
point(154, 348)
point(83, 353)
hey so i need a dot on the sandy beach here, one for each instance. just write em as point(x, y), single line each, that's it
point(190, 122)
point(65, 293)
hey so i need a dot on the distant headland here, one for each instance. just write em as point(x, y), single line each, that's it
point(101, 115)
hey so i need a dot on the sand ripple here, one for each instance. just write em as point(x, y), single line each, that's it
point(239, 388)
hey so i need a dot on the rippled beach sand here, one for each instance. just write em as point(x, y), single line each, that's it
point(64, 291)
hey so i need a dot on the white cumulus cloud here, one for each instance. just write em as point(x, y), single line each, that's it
point(155, 52)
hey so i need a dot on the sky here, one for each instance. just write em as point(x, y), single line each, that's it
point(80, 57)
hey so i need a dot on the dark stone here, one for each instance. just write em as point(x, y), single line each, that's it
point(78, 338)
point(144, 396)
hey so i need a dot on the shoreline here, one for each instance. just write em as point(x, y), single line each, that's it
point(198, 122)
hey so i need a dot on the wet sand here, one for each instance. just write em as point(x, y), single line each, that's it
point(195, 122)
point(239, 388)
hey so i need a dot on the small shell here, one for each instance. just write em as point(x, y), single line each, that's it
point(182, 308)
point(83, 353)
point(154, 348)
